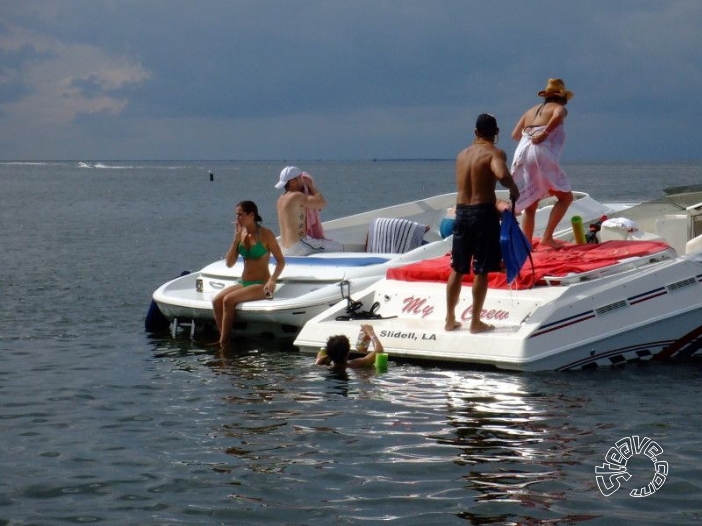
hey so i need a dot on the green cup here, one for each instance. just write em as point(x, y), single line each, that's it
point(381, 361)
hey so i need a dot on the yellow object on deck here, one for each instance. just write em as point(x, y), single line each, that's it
point(578, 230)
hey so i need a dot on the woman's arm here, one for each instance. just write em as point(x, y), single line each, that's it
point(517, 132)
point(233, 252)
point(557, 118)
point(272, 245)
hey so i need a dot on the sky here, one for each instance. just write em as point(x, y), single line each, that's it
point(343, 79)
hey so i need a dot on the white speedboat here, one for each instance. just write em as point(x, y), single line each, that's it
point(311, 284)
point(635, 296)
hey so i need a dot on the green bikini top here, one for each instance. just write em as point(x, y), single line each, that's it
point(257, 251)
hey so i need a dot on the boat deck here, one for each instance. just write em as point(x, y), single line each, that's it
point(573, 263)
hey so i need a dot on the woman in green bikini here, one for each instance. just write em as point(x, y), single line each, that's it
point(255, 244)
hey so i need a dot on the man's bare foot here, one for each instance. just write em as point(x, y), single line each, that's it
point(452, 326)
point(480, 327)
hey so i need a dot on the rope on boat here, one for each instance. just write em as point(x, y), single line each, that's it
point(353, 308)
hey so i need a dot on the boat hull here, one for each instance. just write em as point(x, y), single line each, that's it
point(180, 299)
point(637, 314)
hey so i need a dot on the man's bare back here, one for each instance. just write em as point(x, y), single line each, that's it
point(300, 194)
point(291, 217)
point(478, 168)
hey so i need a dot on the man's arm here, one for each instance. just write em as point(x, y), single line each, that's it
point(369, 359)
point(314, 200)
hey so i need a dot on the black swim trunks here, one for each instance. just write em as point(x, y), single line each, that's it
point(476, 236)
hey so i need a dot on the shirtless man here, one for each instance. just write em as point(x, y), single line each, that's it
point(476, 231)
point(292, 209)
point(536, 169)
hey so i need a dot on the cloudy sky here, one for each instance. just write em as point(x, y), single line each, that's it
point(342, 79)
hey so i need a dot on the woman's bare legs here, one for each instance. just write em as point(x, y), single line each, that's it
point(218, 304)
point(528, 220)
point(229, 302)
point(557, 213)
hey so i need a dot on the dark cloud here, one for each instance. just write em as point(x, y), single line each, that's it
point(13, 60)
point(407, 75)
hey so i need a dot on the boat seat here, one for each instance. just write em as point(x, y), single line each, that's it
point(354, 247)
point(391, 235)
point(675, 229)
point(338, 259)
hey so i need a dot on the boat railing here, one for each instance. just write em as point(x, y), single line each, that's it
point(695, 213)
point(695, 209)
point(623, 265)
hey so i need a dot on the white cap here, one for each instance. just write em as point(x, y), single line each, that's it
point(288, 174)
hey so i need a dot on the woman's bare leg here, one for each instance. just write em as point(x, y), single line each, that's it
point(557, 213)
point(231, 300)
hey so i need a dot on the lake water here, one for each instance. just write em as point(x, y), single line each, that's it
point(101, 422)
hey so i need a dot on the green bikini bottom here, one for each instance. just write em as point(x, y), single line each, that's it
point(249, 283)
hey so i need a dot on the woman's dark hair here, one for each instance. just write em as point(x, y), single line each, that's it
point(338, 348)
point(556, 98)
point(250, 207)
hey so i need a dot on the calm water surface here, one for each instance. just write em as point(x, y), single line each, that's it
point(101, 422)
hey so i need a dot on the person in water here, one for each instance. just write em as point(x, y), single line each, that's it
point(536, 165)
point(476, 229)
point(255, 244)
point(336, 352)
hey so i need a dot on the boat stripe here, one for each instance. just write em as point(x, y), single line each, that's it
point(561, 324)
point(577, 318)
point(608, 354)
point(563, 320)
point(640, 300)
point(667, 349)
point(656, 291)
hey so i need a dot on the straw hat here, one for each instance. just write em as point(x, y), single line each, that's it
point(556, 87)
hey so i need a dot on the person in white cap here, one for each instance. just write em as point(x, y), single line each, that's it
point(297, 208)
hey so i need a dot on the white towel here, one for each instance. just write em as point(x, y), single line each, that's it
point(621, 222)
point(536, 168)
point(394, 236)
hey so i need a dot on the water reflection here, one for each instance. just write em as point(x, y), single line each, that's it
point(515, 443)
point(411, 443)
